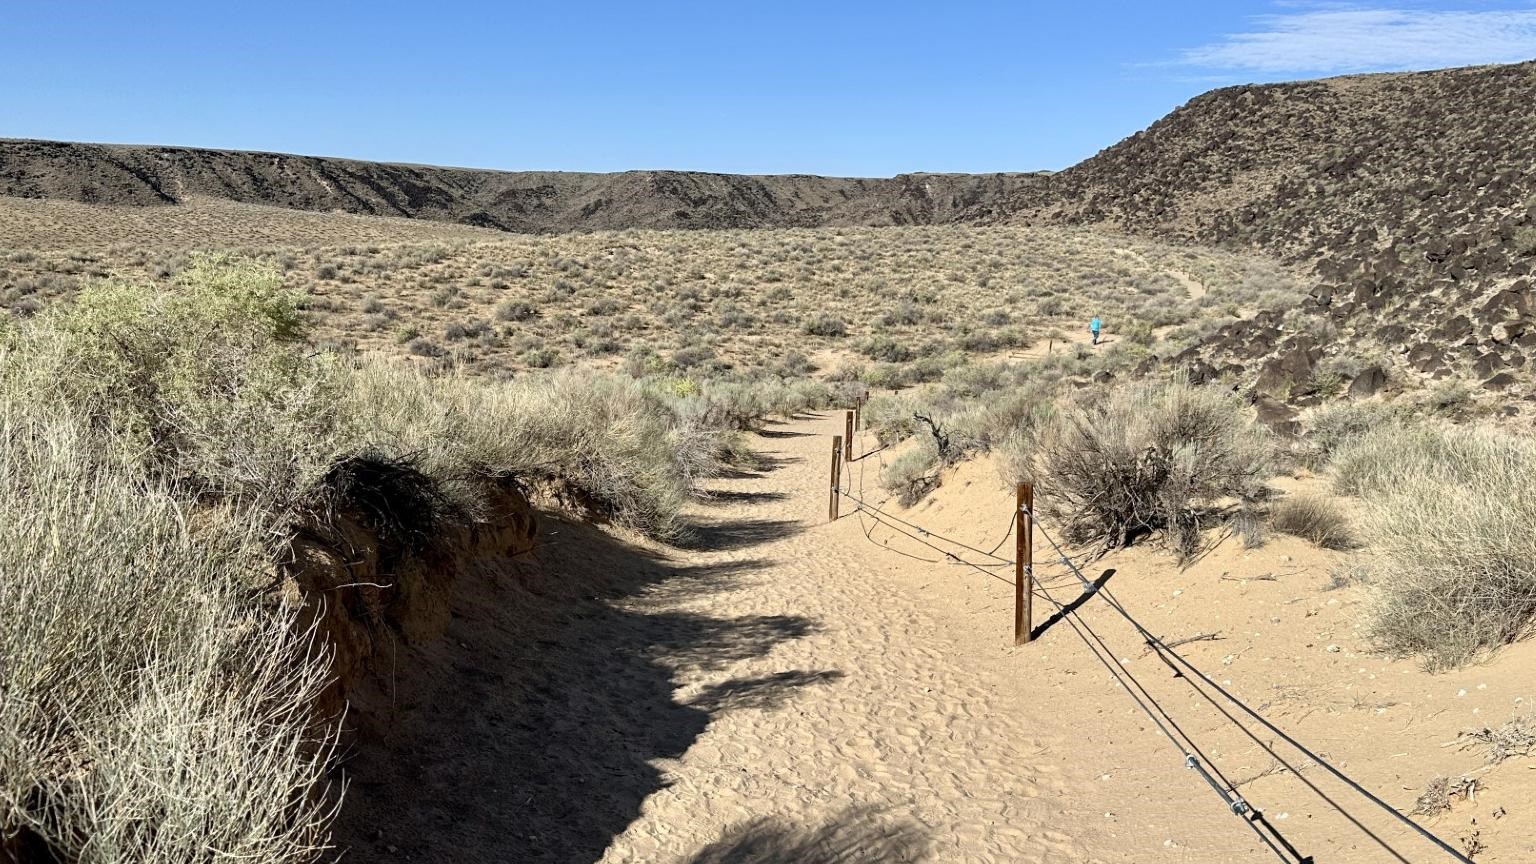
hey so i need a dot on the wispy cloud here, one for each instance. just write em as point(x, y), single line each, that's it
point(1358, 39)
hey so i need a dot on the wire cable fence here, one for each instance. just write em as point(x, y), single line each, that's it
point(1194, 757)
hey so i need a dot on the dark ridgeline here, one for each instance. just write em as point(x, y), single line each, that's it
point(524, 201)
point(1410, 195)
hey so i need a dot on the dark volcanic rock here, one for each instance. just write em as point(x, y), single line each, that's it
point(1279, 417)
point(529, 201)
point(1367, 383)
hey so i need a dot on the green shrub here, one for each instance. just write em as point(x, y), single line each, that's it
point(157, 448)
point(914, 473)
point(825, 324)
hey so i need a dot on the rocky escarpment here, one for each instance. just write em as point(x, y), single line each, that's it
point(528, 201)
point(1411, 198)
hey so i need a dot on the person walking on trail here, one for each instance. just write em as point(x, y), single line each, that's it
point(1094, 328)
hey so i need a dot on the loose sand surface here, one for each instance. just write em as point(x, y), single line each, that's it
point(787, 690)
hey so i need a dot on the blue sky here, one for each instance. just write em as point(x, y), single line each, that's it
point(843, 88)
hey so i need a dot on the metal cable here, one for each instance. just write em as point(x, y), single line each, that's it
point(1164, 722)
point(1162, 648)
point(1236, 805)
point(1001, 561)
point(952, 558)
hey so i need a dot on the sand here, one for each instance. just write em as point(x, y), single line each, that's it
point(787, 690)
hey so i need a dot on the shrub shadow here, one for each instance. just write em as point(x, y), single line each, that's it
point(530, 730)
point(736, 534)
point(859, 835)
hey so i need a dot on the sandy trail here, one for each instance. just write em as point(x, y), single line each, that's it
point(792, 691)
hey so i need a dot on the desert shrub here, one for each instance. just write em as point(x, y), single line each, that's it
point(1446, 529)
point(152, 708)
point(1143, 458)
point(1524, 241)
point(627, 449)
point(885, 349)
point(540, 358)
point(1138, 332)
point(422, 347)
point(515, 310)
point(825, 324)
point(604, 306)
point(886, 376)
point(1338, 423)
point(889, 416)
point(1016, 412)
point(190, 378)
point(1380, 461)
point(907, 314)
point(1315, 518)
point(914, 473)
point(1447, 396)
point(794, 365)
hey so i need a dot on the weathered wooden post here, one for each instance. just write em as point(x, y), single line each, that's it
point(848, 441)
point(837, 471)
point(1023, 563)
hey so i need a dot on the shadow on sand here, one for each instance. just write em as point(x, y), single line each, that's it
point(857, 836)
point(530, 730)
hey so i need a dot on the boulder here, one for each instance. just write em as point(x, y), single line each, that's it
point(1367, 383)
point(1278, 416)
point(1289, 372)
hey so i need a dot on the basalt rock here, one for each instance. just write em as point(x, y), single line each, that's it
point(1367, 383)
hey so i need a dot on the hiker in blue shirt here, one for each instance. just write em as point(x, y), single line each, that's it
point(1094, 329)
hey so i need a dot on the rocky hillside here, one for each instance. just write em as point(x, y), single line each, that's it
point(538, 201)
point(1411, 196)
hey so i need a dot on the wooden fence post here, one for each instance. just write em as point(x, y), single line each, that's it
point(848, 441)
point(837, 471)
point(1023, 563)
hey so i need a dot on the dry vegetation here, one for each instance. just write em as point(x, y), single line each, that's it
point(891, 305)
point(161, 448)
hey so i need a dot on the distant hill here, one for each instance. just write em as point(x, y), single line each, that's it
point(1412, 196)
point(532, 201)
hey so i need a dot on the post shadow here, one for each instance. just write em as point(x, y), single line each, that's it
point(1069, 608)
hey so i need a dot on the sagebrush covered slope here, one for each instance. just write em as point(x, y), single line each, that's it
point(527, 201)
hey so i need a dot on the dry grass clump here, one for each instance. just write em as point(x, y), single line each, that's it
point(1315, 518)
point(1441, 793)
point(1143, 458)
point(1446, 525)
point(151, 707)
point(1517, 737)
point(1337, 423)
point(158, 448)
